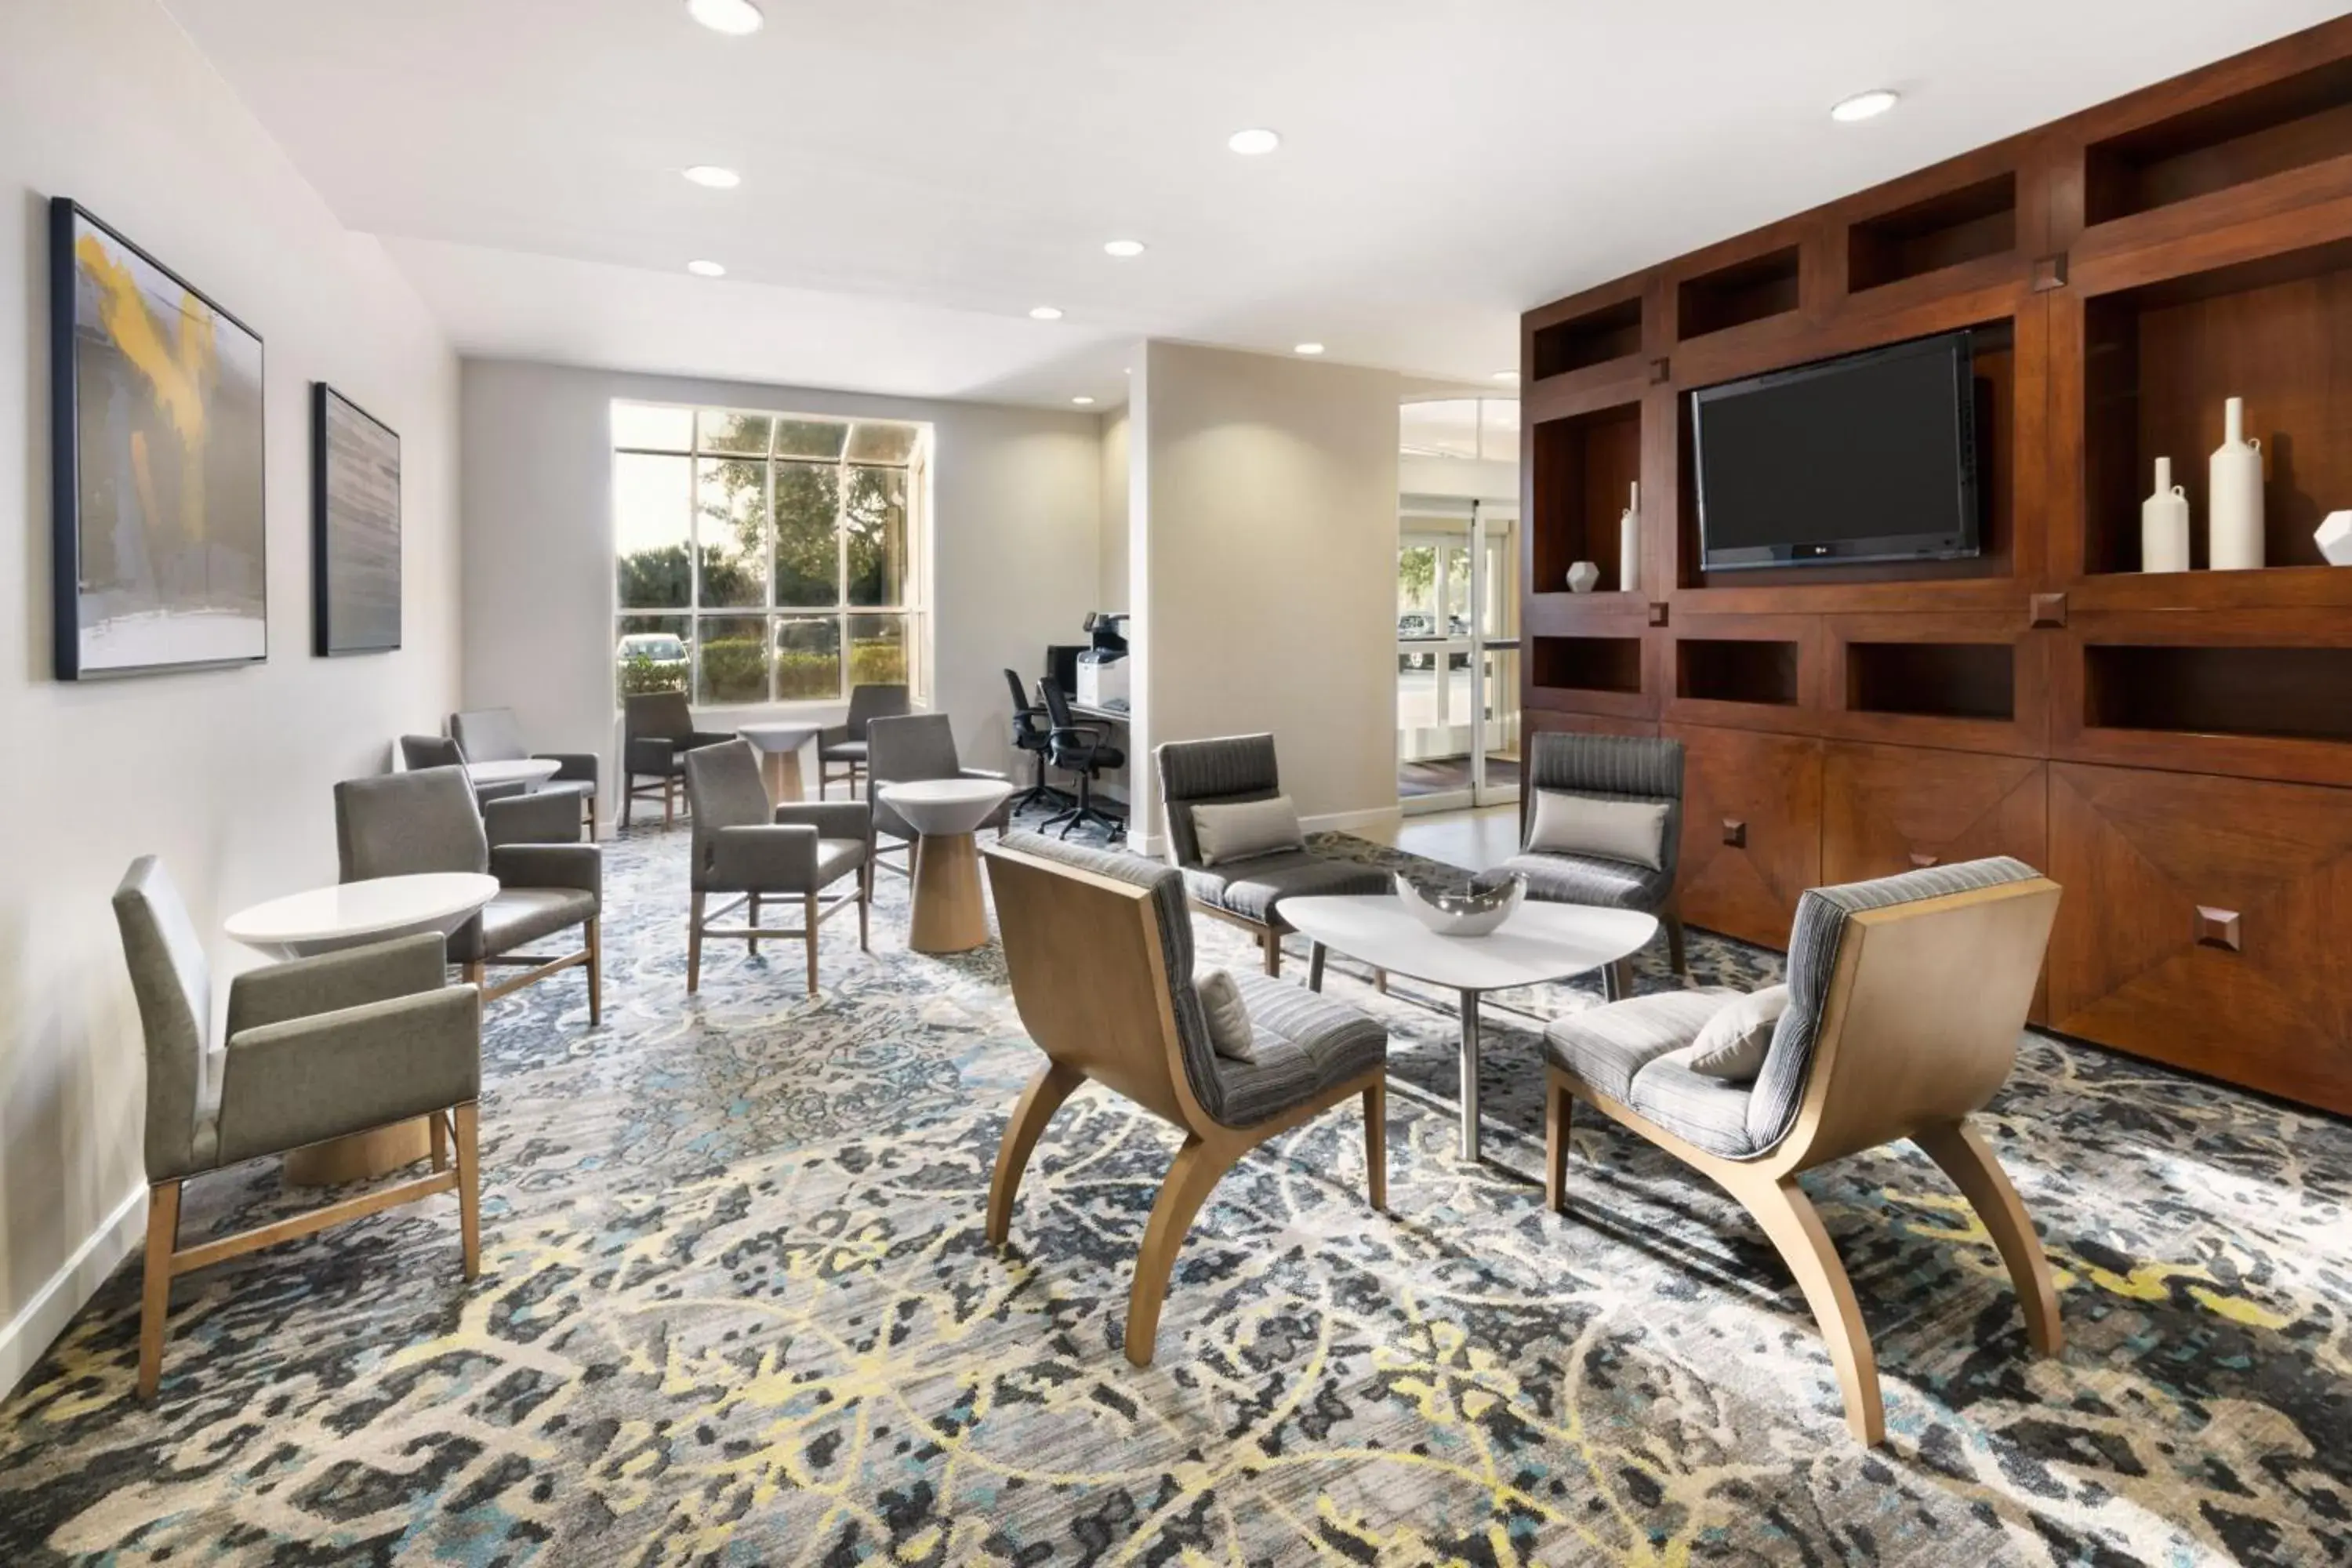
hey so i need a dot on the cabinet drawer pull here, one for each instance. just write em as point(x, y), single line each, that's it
point(2218, 928)
point(1735, 833)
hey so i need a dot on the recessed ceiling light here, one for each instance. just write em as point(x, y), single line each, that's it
point(1254, 144)
point(736, 18)
point(712, 177)
point(1308, 349)
point(1507, 375)
point(1082, 401)
point(1863, 106)
point(706, 270)
point(1123, 248)
point(1045, 313)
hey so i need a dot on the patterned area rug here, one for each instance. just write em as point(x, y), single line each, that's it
point(737, 1309)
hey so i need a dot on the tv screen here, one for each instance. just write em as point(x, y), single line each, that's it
point(1868, 458)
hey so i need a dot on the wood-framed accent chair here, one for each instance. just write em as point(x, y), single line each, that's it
point(1247, 893)
point(657, 731)
point(843, 745)
point(746, 846)
point(1906, 999)
point(511, 813)
point(316, 1048)
point(398, 824)
point(1607, 767)
point(493, 735)
point(910, 747)
point(1099, 948)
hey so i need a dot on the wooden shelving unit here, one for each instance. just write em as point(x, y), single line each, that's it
point(2162, 744)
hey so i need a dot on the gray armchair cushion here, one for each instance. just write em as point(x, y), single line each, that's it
point(1608, 768)
point(489, 735)
point(430, 752)
point(305, 987)
point(1583, 879)
point(783, 857)
point(171, 979)
point(1636, 1052)
point(658, 730)
point(397, 824)
point(545, 816)
point(1254, 889)
point(909, 747)
point(306, 1080)
point(841, 751)
point(831, 818)
point(577, 866)
point(1229, 770)
point(1304, 1043)
point(575, 771)
point(520, 916)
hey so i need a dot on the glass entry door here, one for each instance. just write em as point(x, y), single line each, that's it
point(1458, 655)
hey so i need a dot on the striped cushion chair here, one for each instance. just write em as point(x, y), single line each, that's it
point(1906, 999)
point(1607, 767)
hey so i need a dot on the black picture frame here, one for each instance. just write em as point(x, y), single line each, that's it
point(181, 579)
point(355, 528)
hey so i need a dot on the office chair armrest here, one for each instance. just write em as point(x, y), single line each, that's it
point(831, 818)
point(579, 767)
point(773, 858)
point(531, 819)
point(303, 987)
point(579, 866)
point(305, 1079)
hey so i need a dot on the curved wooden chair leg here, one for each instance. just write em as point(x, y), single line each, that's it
point(1789, 1219)
point(1198, 1168)
point(1376, 1139)
point(1961, 1151)
point(1558, 1105)
point(1039, 1103)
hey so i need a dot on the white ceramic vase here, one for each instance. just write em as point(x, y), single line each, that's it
point(2164, 524)
point(1582, 576)
point(2234, 496)
point(1629, 544)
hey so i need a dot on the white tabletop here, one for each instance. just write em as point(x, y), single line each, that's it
point(1540, 941)
point(939, 806)
point(351, 912)
point(521, 770)
point(779, 737)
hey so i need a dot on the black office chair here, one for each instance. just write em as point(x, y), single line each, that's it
point(1083, 749)
point(1029, 734)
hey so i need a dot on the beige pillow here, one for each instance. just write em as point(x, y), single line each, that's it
point(1229, 1023)
point(1633, 831)
point(1252, 827)
point(1733, 1045)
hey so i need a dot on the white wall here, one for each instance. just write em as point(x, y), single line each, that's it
point(226, 774)
point(1112, 585)
point(1263, 535)
point(1016, 507)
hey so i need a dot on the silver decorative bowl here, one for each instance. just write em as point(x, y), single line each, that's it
point(1474, 912)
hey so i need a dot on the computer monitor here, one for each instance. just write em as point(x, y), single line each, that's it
point(1062, 666)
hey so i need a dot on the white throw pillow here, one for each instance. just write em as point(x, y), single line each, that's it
point(1229, 1023)
point(1633, 831)
point(1733, 1044)
point(1251, 827)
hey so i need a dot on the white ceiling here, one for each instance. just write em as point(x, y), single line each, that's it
point(917, 173)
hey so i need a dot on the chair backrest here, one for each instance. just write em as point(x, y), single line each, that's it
point(723, 789)
point(430, 752)
point(1229, 770)
point(1098, 945)
point(1907, 996)
point(489, 735)
point(1608, 767)
point(174, 983)
point(656, 714)
point(1027, 733)
point(868, 703)
point(398, 825)
point(911, 746)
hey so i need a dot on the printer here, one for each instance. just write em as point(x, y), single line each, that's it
point(1103, 667)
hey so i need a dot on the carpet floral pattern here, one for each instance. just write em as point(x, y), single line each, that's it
point(737, 1308)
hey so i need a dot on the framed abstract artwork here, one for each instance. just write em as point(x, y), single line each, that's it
point(161, 540)
point(354, 528)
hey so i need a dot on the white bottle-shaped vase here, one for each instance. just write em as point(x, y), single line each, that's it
point(2164, 524)
point(2234, 496)
point(1629, 544)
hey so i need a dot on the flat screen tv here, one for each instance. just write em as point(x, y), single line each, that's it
point(1868, 458)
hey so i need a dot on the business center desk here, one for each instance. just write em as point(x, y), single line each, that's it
point(1103, 715)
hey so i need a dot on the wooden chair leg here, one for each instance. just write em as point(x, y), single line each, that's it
point(1796, 1231)
point(1198, 1169)
point(1617, 980)
point(1270, 941)
point(753, 909)
point(475, 973)
point(1039, 1103)
point(595, 972)
point(808, 925)
point(1376, 1140)
point(1315, 967)
point(1380, 981)
point(864, 907)
point(1558, 1108)
point(669, 801)
point(1677, 945)
point(694, 946)
point(468, 1118)
point(155, 1288)
point(1961, 1151)
point(437, 1133)
point(628, 798)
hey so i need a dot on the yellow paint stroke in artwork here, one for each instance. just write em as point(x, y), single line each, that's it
point(181, 374)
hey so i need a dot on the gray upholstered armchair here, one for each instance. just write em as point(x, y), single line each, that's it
point(1904, 1004)
point(1609, 768)
point(910, 747)
point(746, 848)
point(657, 731)
point(843, 745)
point(316, 1048)
point(511, 813)
point(1099, 947)
point(492, 735)
point(1246, 892)
point(401, 824)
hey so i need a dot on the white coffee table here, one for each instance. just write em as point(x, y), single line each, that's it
point(1538, 942)
point(528, 771)
point(948, 916)
point(779, 746)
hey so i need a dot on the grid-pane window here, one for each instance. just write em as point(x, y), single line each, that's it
point(762, 557)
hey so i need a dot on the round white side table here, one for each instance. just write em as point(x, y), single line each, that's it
point(779, 746)
point(948, 916)
point(528, 772)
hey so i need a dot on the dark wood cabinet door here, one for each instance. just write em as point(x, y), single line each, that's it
point(1751, 830)
point(1888, 810)
point(2205, 924)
